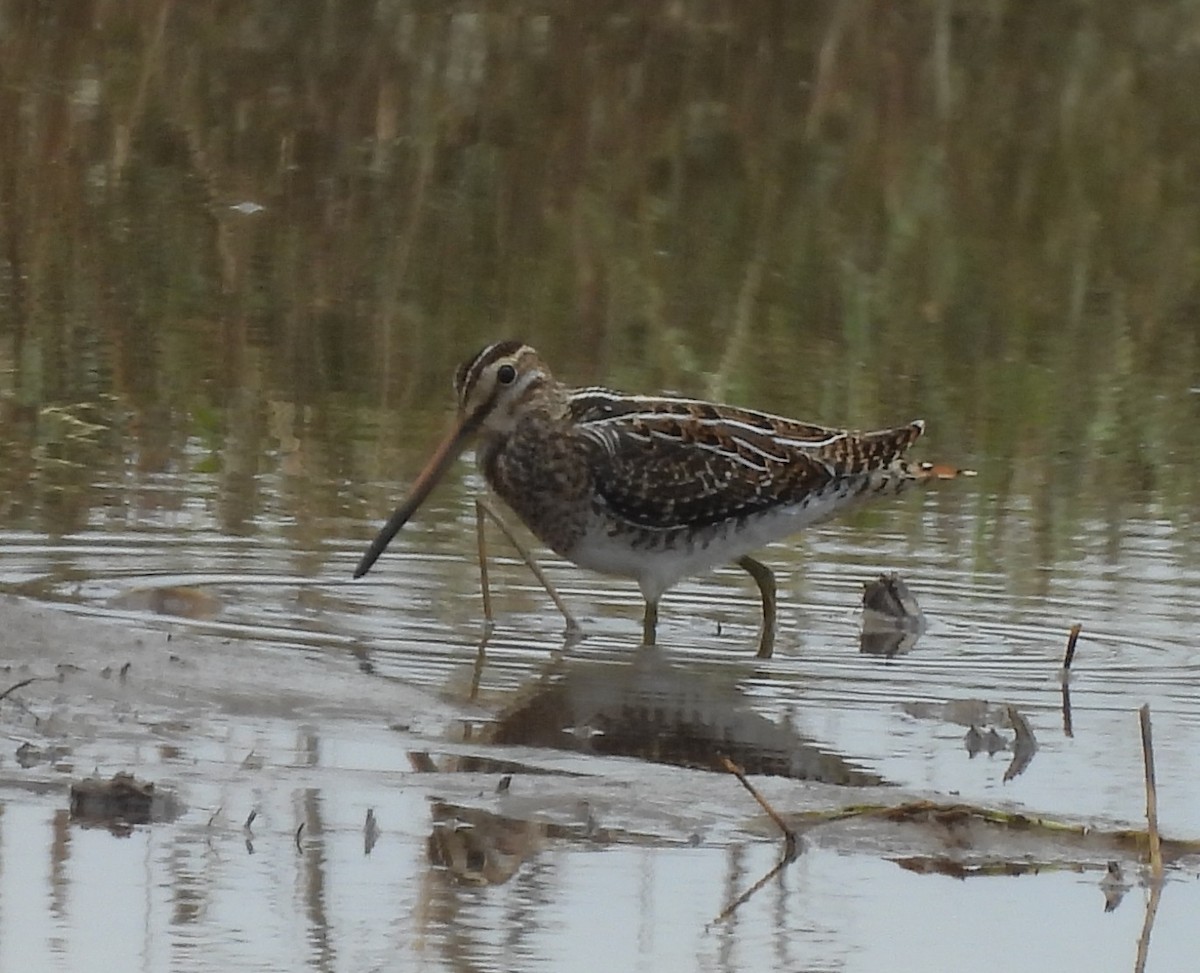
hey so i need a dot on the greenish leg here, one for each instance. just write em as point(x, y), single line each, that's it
point(483, 508)
point(650, 623)
point(481, 540)
point(766, 586)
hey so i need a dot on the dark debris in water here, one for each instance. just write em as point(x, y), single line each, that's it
point(427, 762)
point(1114, 885)
point(974, 834)
point(29, 755)
point(120, 803)
point(370, 831)
point(954, 868)
point(475, 846)
point(177, 600)
point(892, 620)
point(1024, 744)
point(982, 720)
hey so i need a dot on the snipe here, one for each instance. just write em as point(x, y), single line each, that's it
point(653, 488)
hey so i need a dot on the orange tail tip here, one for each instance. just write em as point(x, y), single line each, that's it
point(939, 471)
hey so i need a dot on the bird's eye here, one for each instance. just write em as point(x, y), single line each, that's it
point(506, 374)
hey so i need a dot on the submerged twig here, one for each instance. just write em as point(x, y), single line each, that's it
point(1156, 863)
point(1064, 677)
point(248, 832)
point(1024, 746)
point(370, 831)
point(21, 685)
point(1069, 655)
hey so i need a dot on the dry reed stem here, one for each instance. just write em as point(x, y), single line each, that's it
point(1156, 863)
point(789, 836)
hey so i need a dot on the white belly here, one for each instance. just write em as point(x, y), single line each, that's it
point(659, 559)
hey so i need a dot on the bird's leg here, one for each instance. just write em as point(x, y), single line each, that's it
point(650, 623)
point(483, 508)
point(484, 587)
point(766, 586)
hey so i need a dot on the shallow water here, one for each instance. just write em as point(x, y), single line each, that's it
point(199, 899)
point(241, 253)
point(417, 620)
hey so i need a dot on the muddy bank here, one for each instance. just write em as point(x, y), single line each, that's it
point(98, 674)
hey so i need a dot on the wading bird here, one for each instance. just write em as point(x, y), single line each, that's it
point(652, 488)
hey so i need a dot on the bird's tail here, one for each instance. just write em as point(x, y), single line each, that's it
point(937, 471)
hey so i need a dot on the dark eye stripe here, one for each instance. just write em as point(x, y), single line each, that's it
point(469, 371)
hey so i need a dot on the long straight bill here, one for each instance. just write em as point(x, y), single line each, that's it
point(426, 480)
